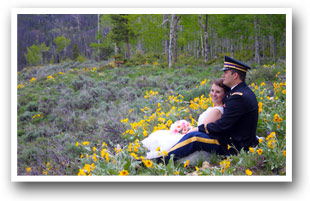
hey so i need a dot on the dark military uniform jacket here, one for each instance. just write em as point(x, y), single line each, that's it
point(237, 126)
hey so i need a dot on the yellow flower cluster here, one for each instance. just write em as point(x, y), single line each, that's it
point(259, 151)
point(260, 107)
point(45, 172)
point(200, 102)
point(32, 80)
point(50, 77)
point(225, 164)
point(36, 115)
point(86, 170)
point(21, 85)
point(150, 93)
point(278, 86)
point(269, 66)
point(203, 82)
point(176, 99)
point(277, 118)
point(271, 140)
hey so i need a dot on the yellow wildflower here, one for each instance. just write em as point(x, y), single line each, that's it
point(94, 157)
point(176, 172)
point(148, 163)
point(284, 153)
point(123, 173)
point(104, 144)
point(259, 151)
point(81, 173)
point(107, 157)
point(94, 149)
point(252, 150)
point(144, 133)
point(134, 155)
point(87, 167)
point(271, 136)
point(102, 153)
point(164, 153)
point(32, 80)
point(28, 169)
point(85, 143)
point(186, 163)
point(197, 169)
point(272, 144)
point(277, 118)
point(248, 172)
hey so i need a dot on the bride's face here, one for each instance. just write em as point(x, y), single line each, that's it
point(217, 94)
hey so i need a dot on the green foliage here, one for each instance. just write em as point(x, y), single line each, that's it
point(75, 52)
point(121, 31)
point(62, 42)
point(34, 54)
point(81, 59)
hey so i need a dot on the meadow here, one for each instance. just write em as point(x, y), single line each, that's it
point(88, 118)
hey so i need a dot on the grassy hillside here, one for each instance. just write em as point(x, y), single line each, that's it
point(88, 118)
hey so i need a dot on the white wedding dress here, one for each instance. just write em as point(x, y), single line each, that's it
point(166, 139)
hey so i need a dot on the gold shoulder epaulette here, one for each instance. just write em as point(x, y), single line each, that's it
point(237, 93)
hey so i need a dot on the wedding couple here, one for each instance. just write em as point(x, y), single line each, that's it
point(225, 128)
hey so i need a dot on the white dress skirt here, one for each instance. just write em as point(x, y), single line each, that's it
point(166, 139)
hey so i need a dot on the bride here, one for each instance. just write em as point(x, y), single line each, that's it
point(163, 140)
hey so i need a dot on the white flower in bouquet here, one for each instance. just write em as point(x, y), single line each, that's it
point(180, 126)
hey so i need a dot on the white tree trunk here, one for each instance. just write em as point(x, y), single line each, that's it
point(202, 46)
point(170, 41)
point(98, 29)
point(166, 20)
point(257, 58)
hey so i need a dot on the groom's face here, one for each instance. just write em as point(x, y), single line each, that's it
point(228, 78)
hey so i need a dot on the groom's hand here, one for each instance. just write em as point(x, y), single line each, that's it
point(203, 128)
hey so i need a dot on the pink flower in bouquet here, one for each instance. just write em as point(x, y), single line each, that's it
point(181, 126)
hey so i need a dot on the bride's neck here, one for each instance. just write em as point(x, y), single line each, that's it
point(218, 104)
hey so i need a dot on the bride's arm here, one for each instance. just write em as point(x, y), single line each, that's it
point(214, 115)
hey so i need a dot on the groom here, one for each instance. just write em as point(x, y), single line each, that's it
point(236, 129)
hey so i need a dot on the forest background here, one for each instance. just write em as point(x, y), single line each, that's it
point(82, 80)
point(46, 39)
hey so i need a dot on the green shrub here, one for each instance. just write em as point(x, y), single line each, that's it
point(28, 155)
point(32, 106)
point(81, 59)
point(26, 116)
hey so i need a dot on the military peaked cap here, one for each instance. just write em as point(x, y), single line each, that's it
point(231, 63)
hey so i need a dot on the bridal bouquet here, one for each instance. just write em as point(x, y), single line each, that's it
point(180, 126)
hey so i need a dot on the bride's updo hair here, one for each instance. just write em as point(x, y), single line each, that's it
point(219, 82)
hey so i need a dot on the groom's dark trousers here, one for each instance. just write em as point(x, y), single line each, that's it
point(192, 142)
